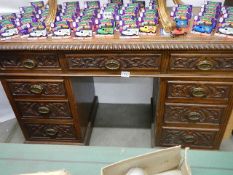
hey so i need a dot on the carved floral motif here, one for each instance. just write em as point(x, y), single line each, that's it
point(126, 62)
point(41, 61)
point(193, 114)
point(50, 131)
point(55, 109)
point(185, 90)
point(188, 63)
point(187, 137)
point(48, 88)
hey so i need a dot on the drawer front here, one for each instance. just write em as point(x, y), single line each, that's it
point(198, 90)
point(193, 113)
point(187, 137)
point(27, 61)
point(50, 131)
point(114, 62)
point(201, 62)
point(53, 110)
point(37, 88)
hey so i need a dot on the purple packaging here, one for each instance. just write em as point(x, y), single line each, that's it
point(61, 29)
point(37, 4)
point(92, 4)
point(11, 16)
point(119, 2)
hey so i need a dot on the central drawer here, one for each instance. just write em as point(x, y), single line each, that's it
point(150, 62)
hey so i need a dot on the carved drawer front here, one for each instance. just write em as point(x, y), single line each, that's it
point(193, 113)
point(201, 62)
point(50, 131)
point(198, 90)
point(29, 61)
point(39, 109)
point(37, 88)
point(114, 62)
point(186, 137)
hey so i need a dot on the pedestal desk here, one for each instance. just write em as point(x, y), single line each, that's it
point(49, 83)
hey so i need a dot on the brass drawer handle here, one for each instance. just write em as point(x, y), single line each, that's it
point(112, 64)
point(29, 63)
point(36, 89)
point(51, 132)
point(194, 116)
point(43, 110)
point(205, 65)
point(199, 92)
point(188, 139)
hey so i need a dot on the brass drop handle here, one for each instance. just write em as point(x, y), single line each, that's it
point(205, 65)
point(29, 63)
point(188, 139)
point(51, 132)
point(112, 64)
point(198, 92)
point(194, 116)
point(36, 89)
point(43, 110)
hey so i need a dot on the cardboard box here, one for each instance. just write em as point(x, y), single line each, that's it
point(161, 162)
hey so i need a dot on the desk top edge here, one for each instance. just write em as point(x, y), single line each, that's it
point(157, 43)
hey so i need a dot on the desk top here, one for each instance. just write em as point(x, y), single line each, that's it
point(79, 160)
point(149, 42)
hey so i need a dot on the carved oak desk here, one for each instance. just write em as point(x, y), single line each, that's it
point(50, 85)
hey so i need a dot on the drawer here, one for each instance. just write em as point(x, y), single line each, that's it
point(114, 62)
point(29, 61)
point(43, 109)
point(188, 137)
point(56, 132)
point(194, 113)
point(201, 62)
point(199, 90)
point(41, 88)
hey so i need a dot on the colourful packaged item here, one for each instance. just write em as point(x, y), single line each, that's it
point(7, 29)
point(61, 29)
point(83, 29)
point(11, 16)
point(38, 30)
point(181, 14)
point(38, 4)
point(105, 26)
point(92, 4)
point(119, 2)
point(129, 28)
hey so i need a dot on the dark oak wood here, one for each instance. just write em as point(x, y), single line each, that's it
point(188, 137)
point(49, 84)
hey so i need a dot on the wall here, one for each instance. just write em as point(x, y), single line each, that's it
point(109, 90)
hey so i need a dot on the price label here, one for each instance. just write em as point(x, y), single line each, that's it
point(125, 74)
